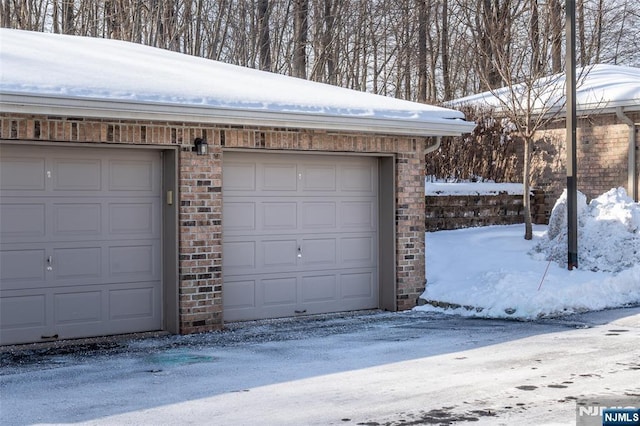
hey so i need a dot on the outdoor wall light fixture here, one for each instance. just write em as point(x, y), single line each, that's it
point(200, 146)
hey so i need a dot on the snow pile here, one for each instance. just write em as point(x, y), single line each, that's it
point(608, 232)
point(494, 272)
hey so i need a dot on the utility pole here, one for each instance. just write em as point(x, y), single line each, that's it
point(572, 187)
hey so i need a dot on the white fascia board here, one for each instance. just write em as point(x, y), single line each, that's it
point(131, 110)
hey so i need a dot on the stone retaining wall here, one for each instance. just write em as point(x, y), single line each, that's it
point(446, 212)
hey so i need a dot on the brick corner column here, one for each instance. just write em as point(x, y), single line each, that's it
point(200, 222)
point(410, 227)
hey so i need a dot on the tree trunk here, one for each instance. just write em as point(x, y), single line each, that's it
point(599, 30)
point(526, 199)
point(300, 30)
point(328, 44)
point(446, 78)
point(534, 35)
point(422, 50)
point(556, 35)
point(54, 17)
point(582, 40)
point(264, 39)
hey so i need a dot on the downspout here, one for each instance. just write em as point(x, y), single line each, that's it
point(434, 147)
point(632, 178)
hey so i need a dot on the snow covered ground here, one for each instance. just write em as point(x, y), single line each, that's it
point(493, 272)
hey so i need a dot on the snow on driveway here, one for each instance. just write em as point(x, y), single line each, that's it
point(366, 368)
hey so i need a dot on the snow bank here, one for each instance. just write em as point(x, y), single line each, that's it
point(608, 232)
point(494, 272)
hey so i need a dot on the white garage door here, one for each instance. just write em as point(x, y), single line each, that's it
point(300, 234)
point(79, 242)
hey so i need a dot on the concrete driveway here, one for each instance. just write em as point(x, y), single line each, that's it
point(371, 368)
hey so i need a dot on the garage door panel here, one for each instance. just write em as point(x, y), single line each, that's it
point(239, 177)
point(240, 256)
point(20, 220)
point(77, 263)
point(127, 175)
point(138, 219)
point(22, 311)
point(280, 216)
point(279, 291)
point(358, 179)
point(279, 253)
point(133, 262)
point(22, 174)
point(73, 219)
point(77, 307)
point(76, 174)
point(319, 288)
point(357, 251)
point(319, 177)
point(240, 294)
point(279, 177)
point(358, 215)
point(239, 216)
point(318, 252)
point(319, 215)
point(134, 302)
point(21, 267)
point(357, 285)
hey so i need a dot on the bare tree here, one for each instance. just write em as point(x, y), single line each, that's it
point(531, 99)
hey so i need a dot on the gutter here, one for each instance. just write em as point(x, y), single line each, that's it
point(632, 172)
point(135, 110)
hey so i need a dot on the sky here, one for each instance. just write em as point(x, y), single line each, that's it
point(494, 272)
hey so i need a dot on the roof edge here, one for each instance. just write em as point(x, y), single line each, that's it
point(583, 109)
point(15, 102)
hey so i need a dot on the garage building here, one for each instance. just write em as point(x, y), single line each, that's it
point(143, 190)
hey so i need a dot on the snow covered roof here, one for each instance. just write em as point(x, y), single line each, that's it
point(602, 88)
point(60, 74)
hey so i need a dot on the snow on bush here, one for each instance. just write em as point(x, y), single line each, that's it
point(608, 232)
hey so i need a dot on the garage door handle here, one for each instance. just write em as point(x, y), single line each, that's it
point(304, 311)
point(299, 252)
point(49, 262)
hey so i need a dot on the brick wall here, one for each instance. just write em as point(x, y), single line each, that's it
point(602, 147)
point(200, 181)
